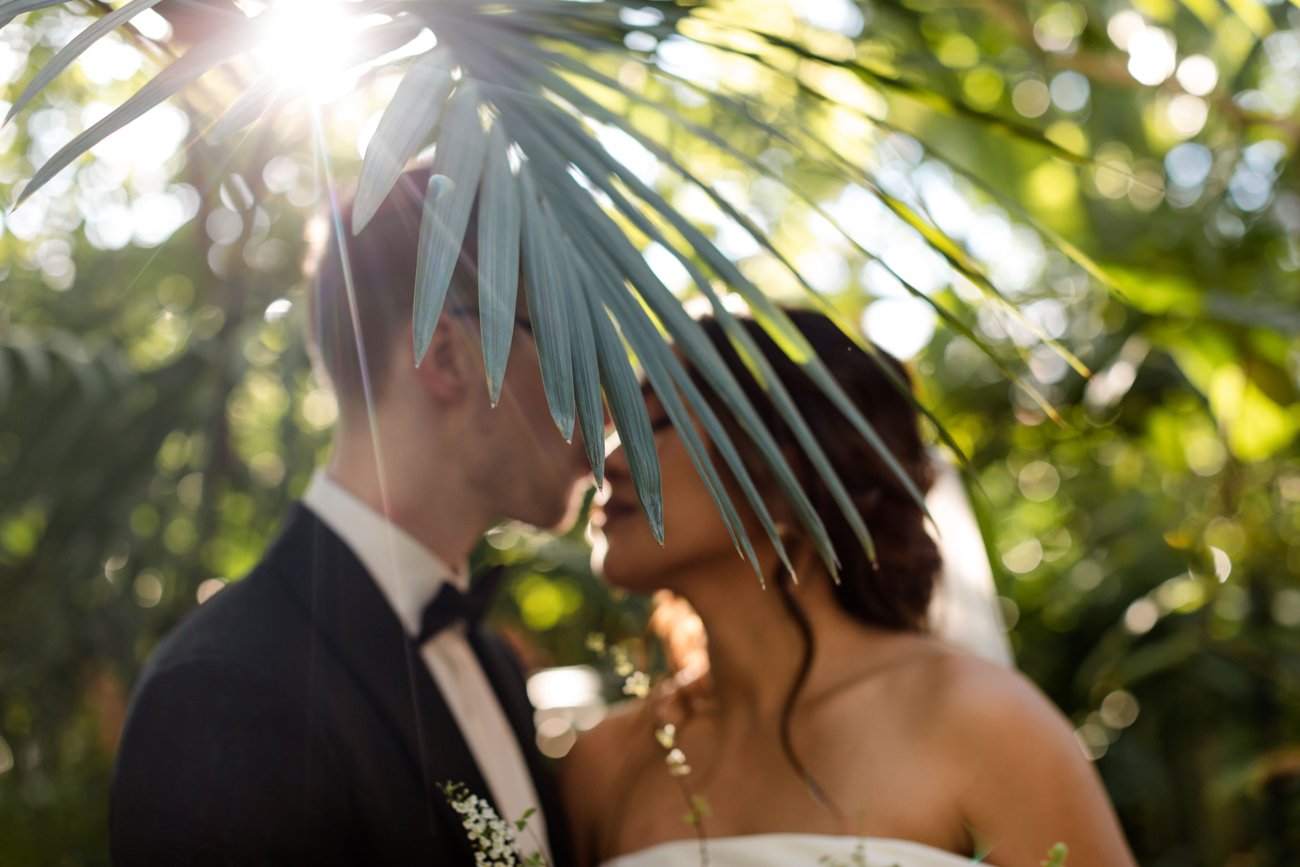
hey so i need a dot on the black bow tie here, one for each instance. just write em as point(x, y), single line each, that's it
point(453, 605)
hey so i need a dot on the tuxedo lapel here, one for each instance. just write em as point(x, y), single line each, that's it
point(353, 622)
point(511, 691)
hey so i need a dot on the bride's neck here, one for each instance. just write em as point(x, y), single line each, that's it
point(755, 644)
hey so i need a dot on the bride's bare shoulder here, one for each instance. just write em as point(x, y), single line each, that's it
point(993, 724)
point(1007, 744)
point(977, 690)
point(961, 691)
point(594, 772)
point(627, 733)
point(610, 739)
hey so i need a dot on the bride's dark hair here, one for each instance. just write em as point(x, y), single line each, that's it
point(894, 592)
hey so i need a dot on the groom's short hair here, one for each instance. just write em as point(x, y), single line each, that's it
point(354, 344)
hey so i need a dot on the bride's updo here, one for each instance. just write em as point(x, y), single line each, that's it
point(895, 592)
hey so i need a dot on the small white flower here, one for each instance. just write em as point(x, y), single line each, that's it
point(492, 838)
point(637, 684)
point(623, 666)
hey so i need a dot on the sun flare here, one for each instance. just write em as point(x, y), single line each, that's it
point(309, 44)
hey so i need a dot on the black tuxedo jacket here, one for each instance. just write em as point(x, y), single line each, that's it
point(289, 720)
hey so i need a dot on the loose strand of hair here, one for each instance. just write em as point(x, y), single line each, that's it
point(802, 623)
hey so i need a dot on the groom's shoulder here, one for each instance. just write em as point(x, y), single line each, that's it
point(222, 718)
point(252, 624)
point(262, 607)
point(236, 658)
point(248, 620)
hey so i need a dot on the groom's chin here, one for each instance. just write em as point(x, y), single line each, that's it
point(614, 569)
point(557, 512)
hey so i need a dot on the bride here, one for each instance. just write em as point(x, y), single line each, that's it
point(818, 723)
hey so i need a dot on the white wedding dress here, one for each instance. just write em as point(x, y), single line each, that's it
point(792, 850)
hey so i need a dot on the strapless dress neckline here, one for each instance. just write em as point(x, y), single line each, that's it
point(793, 850)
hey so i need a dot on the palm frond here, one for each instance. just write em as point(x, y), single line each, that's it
point(607, 167)
point(623, 395)
point(11, 9)
point(545, 291)
point(457, 166)
point(498, 276)
point(596, 110)
point(597, 167)
point(669, 378)
point(603, 243)
point(170, 80)
point(75, 48)
point(586, 368)
point(268, 94)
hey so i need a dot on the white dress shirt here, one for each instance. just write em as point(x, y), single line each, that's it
point(409, 575)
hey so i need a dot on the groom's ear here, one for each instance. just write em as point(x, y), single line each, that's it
point(448, 371)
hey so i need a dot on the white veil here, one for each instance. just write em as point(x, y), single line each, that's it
point(965, 610)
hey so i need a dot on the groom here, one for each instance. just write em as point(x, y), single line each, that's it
point(309, 713)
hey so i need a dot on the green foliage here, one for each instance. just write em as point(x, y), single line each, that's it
point(157, 412)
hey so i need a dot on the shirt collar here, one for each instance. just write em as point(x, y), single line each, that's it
point(406, 572)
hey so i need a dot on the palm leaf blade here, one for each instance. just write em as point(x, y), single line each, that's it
point(447, 207)
point(546, 305)
point(586, 368)
point(405, 123)
point(498, 276)
point(767, 311)
point(623, 394)
point(251, 105)
point(75, 48)
point(666, 375)
point(604, 244)
point(177, 75)
point(698, 346)
point(11, 9)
